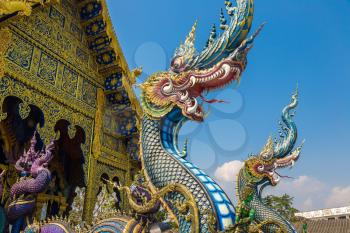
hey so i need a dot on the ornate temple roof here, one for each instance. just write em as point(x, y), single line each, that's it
point(112, 69)
point(114, 51)
point(103, 44)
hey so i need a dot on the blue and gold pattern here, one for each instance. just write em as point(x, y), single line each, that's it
point(39, 63)
point(69, 81)
point(114, 81)
point(90, 10)
point(66, 45)
point(132, 147)
point(89, 93)
point(120, 108)
point(20, 52)
point(47, 69)
point(57, 16)
point(106, 58)
point(43, 27)
point(95, 28)
point(127, 127)
point(120, 98)
point(100, 43)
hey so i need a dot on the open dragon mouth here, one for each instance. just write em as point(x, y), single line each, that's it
point(192, 84)
point(269, 170)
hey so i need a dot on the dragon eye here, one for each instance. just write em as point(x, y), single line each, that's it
point(266, 156)
point(177, 63)
point(260, 168)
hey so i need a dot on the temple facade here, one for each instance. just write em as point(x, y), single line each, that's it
point(63, 74)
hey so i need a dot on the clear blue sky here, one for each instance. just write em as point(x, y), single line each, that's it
point(304, 42)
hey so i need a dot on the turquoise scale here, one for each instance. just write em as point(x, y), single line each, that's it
point(224, 209)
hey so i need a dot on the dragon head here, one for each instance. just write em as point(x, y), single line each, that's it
point(262, 168)
point(191, 74)
point(42, 162)
point(33, 161)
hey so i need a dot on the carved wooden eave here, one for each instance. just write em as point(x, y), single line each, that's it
point(119, 62)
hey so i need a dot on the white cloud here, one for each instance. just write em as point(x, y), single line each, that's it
point(226, 176)
point(339, 196)
point(308, 203)
point(228, 171)
point(308, 192)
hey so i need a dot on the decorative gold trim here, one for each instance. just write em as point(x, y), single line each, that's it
point(113, 153)
point(129, 226)
point(5, 40)
point(20, 202)
point(113, 162)
point(90, 196)
point(57, 57)
point(98, 128)
point(122, 61)
point(71, 103)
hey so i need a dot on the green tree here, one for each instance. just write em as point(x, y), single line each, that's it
point(283, 205)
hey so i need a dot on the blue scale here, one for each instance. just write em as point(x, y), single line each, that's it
point(170, 127)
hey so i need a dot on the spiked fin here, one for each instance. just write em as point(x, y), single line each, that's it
point(184, 150)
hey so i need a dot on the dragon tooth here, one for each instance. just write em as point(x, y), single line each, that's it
point(292, 163)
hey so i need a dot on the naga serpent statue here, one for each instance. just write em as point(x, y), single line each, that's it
point(35, 177)
point(195, 202)
point(259, 171)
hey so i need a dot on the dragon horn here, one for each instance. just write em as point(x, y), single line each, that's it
point(289, 133)
point(192, 35)
point(188, 49)
point(247, 42)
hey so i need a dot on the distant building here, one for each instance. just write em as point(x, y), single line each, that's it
point(326, 214)
point(335, 220)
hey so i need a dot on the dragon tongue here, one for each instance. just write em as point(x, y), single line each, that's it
point(210, 101)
